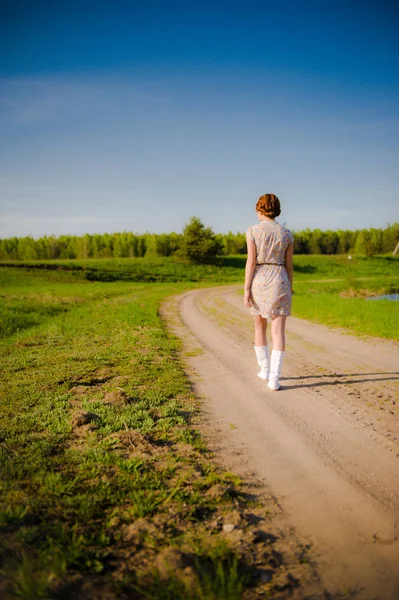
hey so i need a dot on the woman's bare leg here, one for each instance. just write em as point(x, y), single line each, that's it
point(278, 332)
point(260, 331)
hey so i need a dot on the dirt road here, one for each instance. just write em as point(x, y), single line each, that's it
point(326, 444)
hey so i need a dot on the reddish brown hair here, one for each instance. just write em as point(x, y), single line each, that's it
point(269, 206)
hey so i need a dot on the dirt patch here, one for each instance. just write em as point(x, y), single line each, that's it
point(83, 417)
point(138, 530)
point(93, 379)
point(267, 570)
point(119, 380)
point(80, 390)
point(143, 351)
point(118, 397)
point(137, 442)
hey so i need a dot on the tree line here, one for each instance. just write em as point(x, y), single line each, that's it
point(195, 242)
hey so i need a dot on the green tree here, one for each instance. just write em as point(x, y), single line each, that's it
point(108, 245)
point(98, 245)
point(315, 241)
point(199, 244)
point(174, 242)
point(330, 242)
point(84, 246)
point(361, 243)
point(121, 249)
point(142, 245)
point(345, 241)
point(151, 245)
point(390, 238)
point(376, 241)
point(26, 249)
point(131, 242)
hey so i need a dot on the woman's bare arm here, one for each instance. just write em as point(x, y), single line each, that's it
point(249, 269)
point(288, 263)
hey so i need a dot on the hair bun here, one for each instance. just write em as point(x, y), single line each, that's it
point(269, 206)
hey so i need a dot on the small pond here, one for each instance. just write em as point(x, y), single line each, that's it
point(385, 297)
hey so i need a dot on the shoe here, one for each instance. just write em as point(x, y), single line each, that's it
point(276, 366)
point(262, 355)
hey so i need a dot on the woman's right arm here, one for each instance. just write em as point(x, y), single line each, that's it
point(288, 263)
point(249, 269)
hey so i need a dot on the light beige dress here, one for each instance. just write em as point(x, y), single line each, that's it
point(270, 288)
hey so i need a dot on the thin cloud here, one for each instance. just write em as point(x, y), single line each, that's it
point(29, 218)
point(23, 224)
point(25, 100)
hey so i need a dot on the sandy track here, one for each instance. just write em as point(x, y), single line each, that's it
point(326, 445)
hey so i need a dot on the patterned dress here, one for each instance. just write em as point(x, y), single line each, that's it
point(270, 288)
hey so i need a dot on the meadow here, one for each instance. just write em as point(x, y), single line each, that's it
point(106, 482)
point(327, 289)
point(334, 291)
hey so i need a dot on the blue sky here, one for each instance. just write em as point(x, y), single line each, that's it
point(135, 116)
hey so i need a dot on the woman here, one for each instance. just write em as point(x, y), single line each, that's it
point(268, 285)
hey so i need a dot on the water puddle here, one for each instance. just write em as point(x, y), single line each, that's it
point(384, 297)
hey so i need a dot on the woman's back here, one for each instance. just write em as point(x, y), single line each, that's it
point(271, 241)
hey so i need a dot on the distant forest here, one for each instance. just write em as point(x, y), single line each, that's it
point(363, 242)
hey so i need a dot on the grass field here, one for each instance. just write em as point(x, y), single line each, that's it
point(148, 270)
point(106, 483)
point(334, 291)
point(328, 289)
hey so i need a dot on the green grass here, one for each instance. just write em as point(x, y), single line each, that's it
point(149, 270)
point(344, 303)
point(340, 266)
point(333, 291)
point(378, 319)
point(228, 269)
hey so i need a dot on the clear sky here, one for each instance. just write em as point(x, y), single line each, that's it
point(133, 115)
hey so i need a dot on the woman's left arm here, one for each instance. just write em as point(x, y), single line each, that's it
point(288, 263)
point(249, 270)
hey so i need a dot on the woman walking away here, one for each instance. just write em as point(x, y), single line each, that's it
point(268, 285)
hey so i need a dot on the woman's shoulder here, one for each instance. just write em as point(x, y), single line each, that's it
point(253, 229)
point(287, 232)
point(285, 228)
